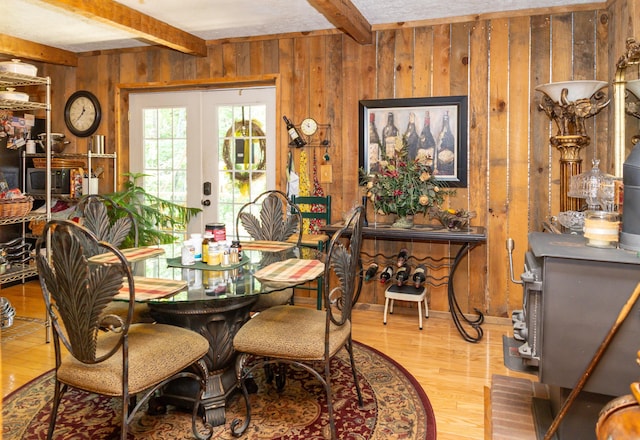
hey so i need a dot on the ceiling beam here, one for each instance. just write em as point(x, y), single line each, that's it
point(130, 20)
point(346, 17)
point(19, 48)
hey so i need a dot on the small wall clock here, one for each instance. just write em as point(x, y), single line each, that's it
point(82, 113)
point(309, 126)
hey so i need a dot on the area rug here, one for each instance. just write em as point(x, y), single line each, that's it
point(512, 358)
point(22, 326)
point(395, 406)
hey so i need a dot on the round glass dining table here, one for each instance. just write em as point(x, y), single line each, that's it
point(216, 303)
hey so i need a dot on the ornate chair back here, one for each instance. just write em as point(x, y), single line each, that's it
point(342, 270)
point(94, 209)
point(278, 218)
point(120, 360)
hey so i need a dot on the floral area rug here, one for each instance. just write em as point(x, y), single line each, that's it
point(395, 406)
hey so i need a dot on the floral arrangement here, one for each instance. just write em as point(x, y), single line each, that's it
point(454, 219)
point(405, 186)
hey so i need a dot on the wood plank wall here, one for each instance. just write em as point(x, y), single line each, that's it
point(513, 171)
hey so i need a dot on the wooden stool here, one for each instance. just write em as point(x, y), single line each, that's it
point(406, 293)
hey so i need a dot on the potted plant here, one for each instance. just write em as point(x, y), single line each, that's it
point(405, 187)
point(154, 216)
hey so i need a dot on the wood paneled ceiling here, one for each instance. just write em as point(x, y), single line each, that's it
point(55, 31)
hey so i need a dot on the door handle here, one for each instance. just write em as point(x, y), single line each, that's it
point(206, 202)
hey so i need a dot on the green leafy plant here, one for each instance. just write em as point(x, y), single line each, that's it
point(156, 217)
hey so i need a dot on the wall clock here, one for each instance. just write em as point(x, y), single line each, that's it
point(82, 113)
point(309, 126)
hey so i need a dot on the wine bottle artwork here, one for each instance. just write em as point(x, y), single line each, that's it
point(402, 275)
point(411, 136)
point(386, 274)
point(389, 137)
point(296, 139)
point(419, 275)
point(371, 272)
point(374, 144)
point(426, 143)
point(403, 257)
point(445, 157)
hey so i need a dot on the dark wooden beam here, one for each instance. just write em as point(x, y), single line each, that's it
point(346, 17)
point(19, 48)
point(130, 20)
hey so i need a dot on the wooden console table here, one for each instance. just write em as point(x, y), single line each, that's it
point(469, 239)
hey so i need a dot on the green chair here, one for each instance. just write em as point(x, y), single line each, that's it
point(272, 217)
point(319, 209)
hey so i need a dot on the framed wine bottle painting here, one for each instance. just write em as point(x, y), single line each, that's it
point(431, 129)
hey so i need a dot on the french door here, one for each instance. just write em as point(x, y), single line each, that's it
point(211, 149)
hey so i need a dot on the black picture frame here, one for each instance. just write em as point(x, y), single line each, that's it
point(449, 163)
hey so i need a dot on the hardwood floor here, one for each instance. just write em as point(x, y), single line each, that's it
point(452, 372)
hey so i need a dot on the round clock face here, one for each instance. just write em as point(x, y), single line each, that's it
point(309, 126)
point(82, 113)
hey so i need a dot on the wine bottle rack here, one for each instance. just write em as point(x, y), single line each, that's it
point(467, 240)
point(321, 138)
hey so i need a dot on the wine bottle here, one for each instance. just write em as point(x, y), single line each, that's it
point(374, 143)
point(403, 257)
point(389, 135)
point(294, 134)
point(402, 275)
point(445, 158)
point(411, 136)
point(386, 274)
point(419, 275)
point(427, 142)
point(371, 271)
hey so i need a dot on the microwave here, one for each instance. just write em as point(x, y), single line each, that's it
point(60, 181)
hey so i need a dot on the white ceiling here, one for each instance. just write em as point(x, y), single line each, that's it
point(39, 22)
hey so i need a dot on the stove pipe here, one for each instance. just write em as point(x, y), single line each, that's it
point(630, 235)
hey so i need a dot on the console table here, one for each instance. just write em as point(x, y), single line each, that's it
point(469, 239)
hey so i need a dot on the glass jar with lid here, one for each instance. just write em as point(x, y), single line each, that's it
point(595, 187)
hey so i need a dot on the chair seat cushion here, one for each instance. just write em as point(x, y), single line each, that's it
point(156, 352)
point(290, 332)
point(272, 299)
point(310, 240)
point(121, 308)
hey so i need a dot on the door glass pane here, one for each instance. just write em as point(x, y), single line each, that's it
point(243, 158)
point(164, 159)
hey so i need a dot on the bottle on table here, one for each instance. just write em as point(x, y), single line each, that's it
point(196, 239)
point(294, 134)
point(386, 274)
point(237, 248)
point(402, 275)
point(188, 253)
point(419, 275)
point(208, 238)
point(371, 272)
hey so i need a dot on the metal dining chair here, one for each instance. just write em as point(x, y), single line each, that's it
point(276, 220)
point(301, 336)
point(124, 361)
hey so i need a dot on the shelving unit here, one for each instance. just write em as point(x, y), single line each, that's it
point(22, 271)
point(90, 156)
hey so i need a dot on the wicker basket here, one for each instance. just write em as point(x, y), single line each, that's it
point(15, 207)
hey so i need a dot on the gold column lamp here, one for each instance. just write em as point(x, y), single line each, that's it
point(569, 103)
